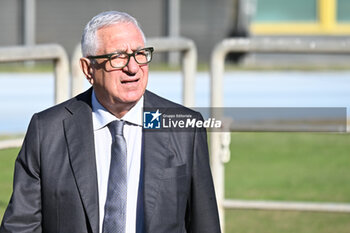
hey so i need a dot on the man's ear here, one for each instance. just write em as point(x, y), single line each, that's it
point(86, 67)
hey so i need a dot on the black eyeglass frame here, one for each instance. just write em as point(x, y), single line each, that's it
point(109, 55)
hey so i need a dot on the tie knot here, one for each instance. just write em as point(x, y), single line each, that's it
point(116, 127)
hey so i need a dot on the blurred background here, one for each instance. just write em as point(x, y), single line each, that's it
point(205, 22)
point(274, 167)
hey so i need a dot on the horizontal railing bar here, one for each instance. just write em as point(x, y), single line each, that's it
point(285, 45)
point(11, 143)
point(35, 52)
point(164, 44)
point(287, 205)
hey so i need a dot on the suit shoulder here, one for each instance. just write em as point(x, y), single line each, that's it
point(61, 110)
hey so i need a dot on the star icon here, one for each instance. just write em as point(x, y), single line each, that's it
point(156, 115)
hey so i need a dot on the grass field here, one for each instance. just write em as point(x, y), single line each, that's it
point(7, 160)
point(273, 166)
point(288, 166)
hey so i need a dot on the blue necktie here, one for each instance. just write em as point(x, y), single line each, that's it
point(115, 208)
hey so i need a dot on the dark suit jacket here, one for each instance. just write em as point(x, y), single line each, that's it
point(55, 181)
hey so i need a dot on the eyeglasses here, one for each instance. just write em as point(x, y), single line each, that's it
point(121, 59)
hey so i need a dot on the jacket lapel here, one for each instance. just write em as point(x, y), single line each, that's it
point(80, 141)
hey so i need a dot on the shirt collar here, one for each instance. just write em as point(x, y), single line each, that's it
point(102, 117)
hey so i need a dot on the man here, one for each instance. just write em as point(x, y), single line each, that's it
point(66, 175)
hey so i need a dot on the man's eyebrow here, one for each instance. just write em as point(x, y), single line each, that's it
point(124, 50)
point(119, 51)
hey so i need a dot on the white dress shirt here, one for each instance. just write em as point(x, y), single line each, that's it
point(103, 141)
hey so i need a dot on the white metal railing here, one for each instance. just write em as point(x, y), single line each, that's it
point(164, 44)
point(53, 52)
point(11, 143)
point(77, 74)
point(219, 143)
point(287, 205)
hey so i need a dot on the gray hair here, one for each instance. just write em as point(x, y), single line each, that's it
point(89, 41)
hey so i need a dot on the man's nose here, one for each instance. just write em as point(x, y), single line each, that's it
point(132, 66)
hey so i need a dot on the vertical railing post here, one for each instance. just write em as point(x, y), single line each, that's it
point(62, 76)
point(216, 101)
point(189, 69)
point(77, 74)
